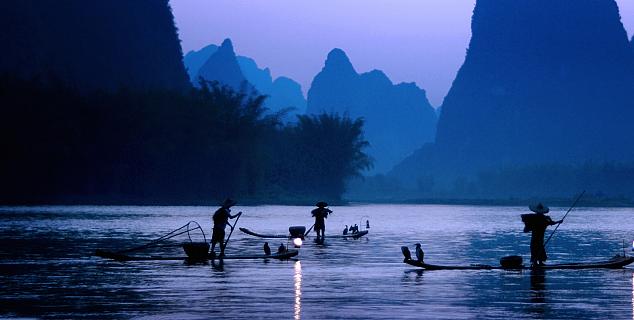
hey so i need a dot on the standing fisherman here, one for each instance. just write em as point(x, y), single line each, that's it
point(321, 214)
point(537, 223)
point(221, 219)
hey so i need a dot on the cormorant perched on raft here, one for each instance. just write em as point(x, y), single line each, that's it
point(406, 253)
point(267, 249)
point(281, 248)
point(345, 230)
point(420, 255)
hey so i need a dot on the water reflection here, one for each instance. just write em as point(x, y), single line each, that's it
point(218, 265)
point(298, 290)
point(46, 269)
point(538, 291)
point(538, 285)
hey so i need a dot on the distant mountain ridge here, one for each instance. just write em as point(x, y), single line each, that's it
point(93, 45)
point(222, 66)
point(398, 118)
point(283, 92)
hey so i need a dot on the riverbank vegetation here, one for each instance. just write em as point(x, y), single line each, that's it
point(167, 147)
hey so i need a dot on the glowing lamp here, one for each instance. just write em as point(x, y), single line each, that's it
point(297, 242)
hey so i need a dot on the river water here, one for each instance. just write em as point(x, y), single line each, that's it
point(47, 267)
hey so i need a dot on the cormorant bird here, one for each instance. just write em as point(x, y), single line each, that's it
point(267, 249)
point(367, 224)
point(406, 253)
point(420, 255)
point(345, 230)
point(281, 248)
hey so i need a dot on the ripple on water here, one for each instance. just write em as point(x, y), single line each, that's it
point(47, 268)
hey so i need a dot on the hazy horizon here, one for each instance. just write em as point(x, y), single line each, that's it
point(415, 41)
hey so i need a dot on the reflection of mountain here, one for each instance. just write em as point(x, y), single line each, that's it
point(283, 92)
point(92, 44)
point(399, 118)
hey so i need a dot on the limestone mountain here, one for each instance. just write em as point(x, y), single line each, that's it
point(537, 88)
point(283, 92)
point(398, 118)
point(92, 45)
point(193, 60)
point(536, 92)
point(222, 66)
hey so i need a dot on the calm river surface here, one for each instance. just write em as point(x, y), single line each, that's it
point(47, 269)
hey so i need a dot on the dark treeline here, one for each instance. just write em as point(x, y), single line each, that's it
point(602, 181)
point(606, 183)
point(167, 147)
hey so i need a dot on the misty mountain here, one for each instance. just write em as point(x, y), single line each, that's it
point(283, 92)
point(92, 44)
point(193, 60)
point(222, 66)
point(535, 88)
point(399, 118)
point(286, 93)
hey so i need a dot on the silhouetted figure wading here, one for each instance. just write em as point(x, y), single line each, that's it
point(321, 214)
point(221, 219)
point(537, 223)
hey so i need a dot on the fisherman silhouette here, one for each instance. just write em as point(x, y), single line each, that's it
point(536, 223)
point(320, 214)
point(420, 255)
point(345, 230)
point(221, 219)
point(281, 248)
point(267, 249)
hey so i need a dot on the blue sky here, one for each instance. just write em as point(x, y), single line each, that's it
point(422, 41)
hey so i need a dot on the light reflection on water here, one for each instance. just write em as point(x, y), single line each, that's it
point(298, 290)
point(46, 268)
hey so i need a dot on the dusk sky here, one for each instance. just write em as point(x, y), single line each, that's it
point(410, 40)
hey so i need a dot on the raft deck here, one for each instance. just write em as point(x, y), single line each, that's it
point(617, 262)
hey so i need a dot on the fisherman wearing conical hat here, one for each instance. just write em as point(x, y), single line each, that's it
point(221, 219)
point(321, 214)
point(537, 223)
